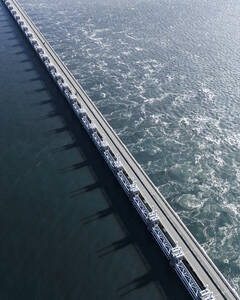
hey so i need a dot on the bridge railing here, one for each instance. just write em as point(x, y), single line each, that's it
point(173, 253)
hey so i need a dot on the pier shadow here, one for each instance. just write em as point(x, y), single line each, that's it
point(16, 45)
point(9, 32)
point(30, 70)
point(57, 130)
point(6, 26)
point(97, 216)
point(85, 189)
point(51, 114)
point(138, 283)
point(158, 271)
point(136, 234)
point(115, 246)
point(44, 102)
point(19, 52)
point(33, 79)
point(73, 167)
point(25, 61)
point(65, 148)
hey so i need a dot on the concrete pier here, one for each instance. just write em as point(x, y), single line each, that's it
point(203, 270)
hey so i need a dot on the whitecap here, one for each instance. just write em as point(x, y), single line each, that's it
point(189, 201)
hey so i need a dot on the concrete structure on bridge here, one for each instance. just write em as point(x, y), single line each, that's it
point(195, 269)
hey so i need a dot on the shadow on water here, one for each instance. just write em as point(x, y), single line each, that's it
point(32, 79)
point(26, 61)
point(8, 32)
point(115, 246)
point(20, 52)
point(136, 234)
point(57, 130)
point(44, 102)
point(16, 45)
point(97, 216)
point(75, 166)
point(6, 26)
point(30, 70)
point(65, 147)
point(37, 90)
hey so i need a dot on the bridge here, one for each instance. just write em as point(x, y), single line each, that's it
point(195, 269)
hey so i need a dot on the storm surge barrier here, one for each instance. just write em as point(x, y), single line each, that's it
point(197, 272)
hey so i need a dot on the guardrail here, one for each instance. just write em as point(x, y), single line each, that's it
point(148, 214)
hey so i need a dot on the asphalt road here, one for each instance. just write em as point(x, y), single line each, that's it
point(195, 255)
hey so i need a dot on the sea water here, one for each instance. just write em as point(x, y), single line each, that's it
point(165, 74)
point(67, 230)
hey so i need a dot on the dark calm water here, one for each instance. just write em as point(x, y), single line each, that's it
point(67, 230)
point(165, 74)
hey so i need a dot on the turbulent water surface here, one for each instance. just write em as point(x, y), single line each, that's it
point(165, 74)
point(67, 229)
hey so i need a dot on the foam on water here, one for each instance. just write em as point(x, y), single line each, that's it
point(165, 75)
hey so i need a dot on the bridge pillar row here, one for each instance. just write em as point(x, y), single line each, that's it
point(153, 219)
point(176, 255)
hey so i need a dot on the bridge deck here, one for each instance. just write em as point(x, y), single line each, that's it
point(193, 252)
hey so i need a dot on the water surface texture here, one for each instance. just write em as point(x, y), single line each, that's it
point(67, 230)
point(165, 74)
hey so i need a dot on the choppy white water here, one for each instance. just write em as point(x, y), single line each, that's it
point(166, 76)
